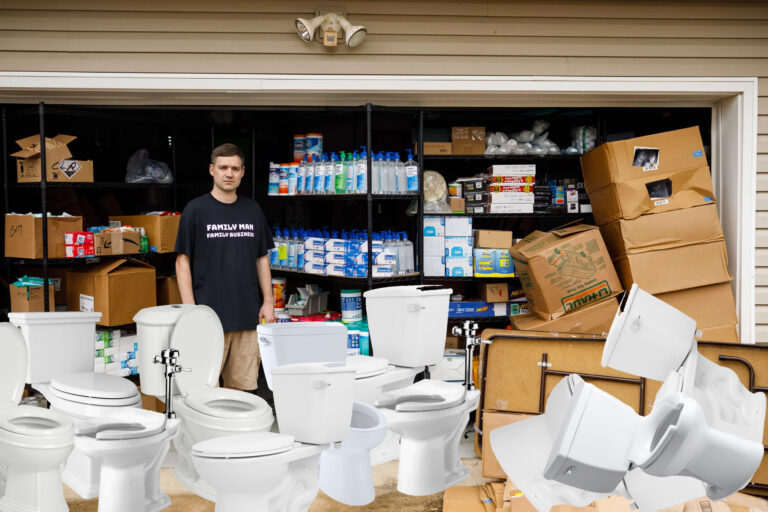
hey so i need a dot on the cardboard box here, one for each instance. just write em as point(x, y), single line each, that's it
point(632, 159)
point(493, 292)
point(458, 267)
point(458, 247)
point(434, 246)
point(724, 333)
point(663, 231)
point(712, 307)
point(168, 291)
point(160, 229)
point(458, 226)
point(675, 269)
point(512, 170)
point(434, 266)
point(493, 239)
point(492, 263)
point(656, 193)
point(510, 208)
point(30, 299)
point(61, 167)
point(437, 148)
point(594, 319)
point(24, 235)
point(511, 197)
point(118, 289)
point(56, 274)
point(463, 498)
point(491, 421)
point(126, 242)
point(565, 269)
point(467, 140)
point(434, 225)
point(457, 204)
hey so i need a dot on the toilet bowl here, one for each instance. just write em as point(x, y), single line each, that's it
point(34, 442)
point(430, 417)
point(61, 368)
point(275, 472)
point(261, 471)
point(205, 410)
point(345, 470)
point(124, 445)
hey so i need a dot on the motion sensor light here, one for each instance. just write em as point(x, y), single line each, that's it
point(306, 28)
point(330, 24)
point(353, 34)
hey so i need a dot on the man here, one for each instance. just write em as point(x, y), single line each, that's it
point(222, 262)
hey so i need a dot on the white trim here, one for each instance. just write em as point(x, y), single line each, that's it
point(734, 103)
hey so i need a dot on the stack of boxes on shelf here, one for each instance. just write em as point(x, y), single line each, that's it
point(653, 199)
point(448, 244)
point(475, 194)
point(61, 166)
point(116, 353)
point(511, 188)
point(491, 254)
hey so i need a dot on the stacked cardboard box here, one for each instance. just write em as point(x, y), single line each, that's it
point(652, 197)
point(511, 189)
point(491, 253)
point(61, 166)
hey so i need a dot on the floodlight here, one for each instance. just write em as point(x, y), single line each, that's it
point(306, 28)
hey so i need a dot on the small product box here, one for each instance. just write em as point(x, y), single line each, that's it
point(473, 197)
point(472, 308)
point(512, 170)
point(314, 256)
point(513, 180)
point(314, 243)
point(458, 226)
point(434, 246)
point(493, 239)
point(493, 292)
point(510, 208)
point(79, 244)
point(511, 187)
point(457, 204)
point(336, 245)
point(335, 270)
point(434, 225)
point(572, 200)
point(434, 266)
point(337, 258)
point(314, 267)
point(382, 271)
point(470, 185)
point(458, 247)
point(458, 267)
point(475, 209)
point(511, 197)
point(493, 263)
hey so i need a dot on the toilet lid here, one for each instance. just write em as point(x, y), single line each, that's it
point(425, 395)
point(367, 366)
point(34, 421)
point(13, 364)
point(227, 403)
point(254, 444)
point(199, 338)
point(124, 424)
point(95, 389)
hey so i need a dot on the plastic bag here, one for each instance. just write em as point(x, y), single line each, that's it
point(524, 136)
point(539, 126)
point(435, 193)
point(584, 138)
point(141, 169)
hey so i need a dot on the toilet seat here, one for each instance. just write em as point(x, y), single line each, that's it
point(13, 365)
point(202, 358)
point(124, 424)
point(425, 395)
point(367, 366)
point(227, 403)
point(95, 389)
point(28, 420)
point(255, 444)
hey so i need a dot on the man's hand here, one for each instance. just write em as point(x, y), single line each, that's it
point(267, 312)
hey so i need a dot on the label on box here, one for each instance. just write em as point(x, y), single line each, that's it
point(513, 179)
point(86, 303)
point(513, 170)
point(458, 246)
point(510, 208)
point(434, 226)
point(512, 197)
point(511, 187)
point(458, 267)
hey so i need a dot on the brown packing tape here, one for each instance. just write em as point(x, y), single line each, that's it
point(675, 269)
point(629, 200)
point(666, 230)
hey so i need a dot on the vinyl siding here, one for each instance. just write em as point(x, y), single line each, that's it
point(445, 37)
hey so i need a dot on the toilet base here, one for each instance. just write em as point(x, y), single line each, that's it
point(388, 450)
point(23, 492)
point(425, 467)
point(195, 484)
point(347, 478)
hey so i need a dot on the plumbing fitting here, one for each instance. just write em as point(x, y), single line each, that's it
point(168, 357)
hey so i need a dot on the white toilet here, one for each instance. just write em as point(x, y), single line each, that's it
point(273, 472)
point(34, 442)
point(125, 446)
point(205, 410)
point(407, 326)
point(61, 347)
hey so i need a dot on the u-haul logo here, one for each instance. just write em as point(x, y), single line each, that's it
point(592, 294)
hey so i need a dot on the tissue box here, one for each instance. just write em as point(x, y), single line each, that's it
point(458, 247)
point(434, 226)
point(458, 267)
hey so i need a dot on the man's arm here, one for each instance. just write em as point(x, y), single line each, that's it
point(184, 277)
point(267, 310)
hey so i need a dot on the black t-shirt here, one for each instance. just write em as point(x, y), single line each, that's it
point(223, 242)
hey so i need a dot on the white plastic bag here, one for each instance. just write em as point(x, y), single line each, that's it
point(141, 169)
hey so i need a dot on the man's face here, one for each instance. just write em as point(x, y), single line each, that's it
point(227, 172)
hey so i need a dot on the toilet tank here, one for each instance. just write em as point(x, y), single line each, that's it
point(313, 401)
point(300, 342)
point(153, 329)
point(408, 324)
point(58, 343)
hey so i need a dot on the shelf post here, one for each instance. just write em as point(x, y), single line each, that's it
point(369, 192)
point(44, 202)
point(420, 206)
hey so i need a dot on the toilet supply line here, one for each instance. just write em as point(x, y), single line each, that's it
point(469, 331)
point(169, 357)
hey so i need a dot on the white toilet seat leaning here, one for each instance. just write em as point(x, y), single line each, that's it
point(703, 435)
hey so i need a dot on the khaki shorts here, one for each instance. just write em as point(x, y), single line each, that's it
point(240, 364)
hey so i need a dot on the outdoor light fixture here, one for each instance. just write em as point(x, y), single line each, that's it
point(330, 24)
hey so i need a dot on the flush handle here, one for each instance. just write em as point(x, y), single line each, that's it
point(320, 384)
point(415, 308)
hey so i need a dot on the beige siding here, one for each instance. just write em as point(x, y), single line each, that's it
point(535, 37)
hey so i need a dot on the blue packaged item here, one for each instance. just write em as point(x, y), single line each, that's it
point(476, 308)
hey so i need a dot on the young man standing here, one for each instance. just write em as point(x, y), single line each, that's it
point(222, 262)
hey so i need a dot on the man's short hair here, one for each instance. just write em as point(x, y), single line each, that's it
point(227, 149)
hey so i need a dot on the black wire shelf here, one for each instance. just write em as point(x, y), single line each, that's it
point(485, 319)
point(90, 259)
point(502, 158)
point(350, 197)
point(515, 215)
point(103, 184)
point(377, 280)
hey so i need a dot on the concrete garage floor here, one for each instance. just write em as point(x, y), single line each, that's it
point(384, 480)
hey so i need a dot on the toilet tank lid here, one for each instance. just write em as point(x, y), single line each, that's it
point(161, 315)
point(302, 329)
point(309, 368)
point(408, 291)
point(61, 317)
